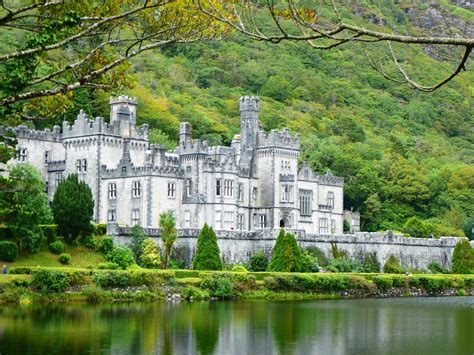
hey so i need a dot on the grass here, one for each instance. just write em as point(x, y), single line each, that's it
point(81, 257)
point(4, 279)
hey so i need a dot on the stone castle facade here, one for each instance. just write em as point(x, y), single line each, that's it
point(256, 183)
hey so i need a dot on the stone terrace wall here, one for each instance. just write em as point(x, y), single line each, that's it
point(236, 246)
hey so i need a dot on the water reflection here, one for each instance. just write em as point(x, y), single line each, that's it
point(437, 325)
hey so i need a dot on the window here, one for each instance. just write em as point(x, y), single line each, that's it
point(228, 188)
point(46, 157)
point(333, 226)
point(330, 200)
point(286, 193)
point(323, 226)
point(136, 189)
point(124, 169)
point(189, 187)
point(59, 178)
point(112, 191)
point(241, 192)
point(84, 165)
point(187, 219)
point(218, 187)
point(22, 155)
point(135, 216)
point(240, 221)
point(228, 220)
point(305, 202)
point(46, 186)
point(112, 216)
point(262, 221)
point(171, 190)
point(78, 166)
point(188, 169)
point(218, 219)
point(254, 193)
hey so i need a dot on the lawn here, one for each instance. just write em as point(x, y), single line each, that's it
point(81, 257)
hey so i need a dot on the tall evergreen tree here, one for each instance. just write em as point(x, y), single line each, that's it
point(168, 234)
point(73, 208)
point(463, 258)
point(286, 254)
point(27, 205)
point(208, 255)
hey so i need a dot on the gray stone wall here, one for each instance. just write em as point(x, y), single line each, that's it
point(236, 247)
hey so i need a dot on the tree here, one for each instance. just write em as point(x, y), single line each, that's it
point(208, 255)
point(168, 234)
point(417, 228)
point(138, 236)
point(28, 205)
point(328, 25)
point(150, 257)
point(286, 254)
point(73, 208)
point(463, 258)
point(92, 42)
point(258, 262)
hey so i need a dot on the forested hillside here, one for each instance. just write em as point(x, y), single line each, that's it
point(402, 152)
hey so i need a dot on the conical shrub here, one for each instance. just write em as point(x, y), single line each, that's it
point(208, 255)
point(286, 254)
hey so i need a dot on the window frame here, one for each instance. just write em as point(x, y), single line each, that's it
point(136, 189)
point(112, 191)
point(171, 189)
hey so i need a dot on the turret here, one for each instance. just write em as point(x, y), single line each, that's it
point(249, 108)
point(184, 133)
point(123, 108)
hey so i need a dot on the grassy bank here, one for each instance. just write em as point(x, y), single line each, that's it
point(42, 284)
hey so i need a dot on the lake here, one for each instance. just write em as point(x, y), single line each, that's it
point(363, 326)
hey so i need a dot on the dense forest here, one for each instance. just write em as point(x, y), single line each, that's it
point(406, 156)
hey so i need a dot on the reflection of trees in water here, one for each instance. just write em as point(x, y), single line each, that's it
point(206, 318)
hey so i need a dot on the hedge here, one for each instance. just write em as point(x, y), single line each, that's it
point(8, 251)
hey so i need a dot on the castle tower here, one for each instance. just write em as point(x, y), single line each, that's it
point(184, 133)
point(123, 108)
point(249, 108)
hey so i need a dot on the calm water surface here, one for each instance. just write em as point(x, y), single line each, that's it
point(366, 326)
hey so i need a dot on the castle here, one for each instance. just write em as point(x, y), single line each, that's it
point(256, 183)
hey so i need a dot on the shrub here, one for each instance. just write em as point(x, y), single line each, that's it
point(195, 293)
point(392, 266)
point(101, 229)
point(112, 279)
point(50, 232)
point(463, 258)
point(309, 264)
point(8, 251)
point(22, 270)
point(218, 286)
point(64, 258)
point(239, 268)
point(137, 239)
point(56, 247)
point(50, 280)
point(93, 293)
point(258, 262)
point(13, 294)
point(321, 258)
point(106, 244)
point(432, 284)
point(371, 262)
point(121, 255)
point(338, 253)
point(437, 268)
point(343, 265)
point(243, 282)
point(107, 266)
point(89, 242)
point(180, 274)
point(207, 255)
point(150, 257)
point(383, 282)
point(286, 254)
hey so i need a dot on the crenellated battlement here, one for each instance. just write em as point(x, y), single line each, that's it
point(280, 139)
point(167, 171)
point(123, 99)
point(249, 103)
point(44, 135)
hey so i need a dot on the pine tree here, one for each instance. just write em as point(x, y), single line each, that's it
point(73, 208)
point(207, 255)
point(286, 254)
point(463, 258)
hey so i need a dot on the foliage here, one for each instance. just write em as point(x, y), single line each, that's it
point(64, 258)
point(344, 265)
point(383, 282)
point(89, 242)
point(112, 279)
point(49, 231)
point(93, 293)
point(138, 236)
point(101, 229)
point(239, 268)
point(218, 286)
point(73, 207)
point(108, 266)
point(258, 262)
point(27, 205)
point(437, 268)
point(417, 228)
point(207, 256)
point(309, 263)
point(106, 244)
point(321, 258)
point(121, 255)
point(463, 258)
point(56, 247)
point(392, 266)
point(50, 280)
point(194, 293)
point(371, 262)
point(150, 257)
point(338, 253)
point(8, 251)
point(286, 254)
point(168, 234)
point(346, 226)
